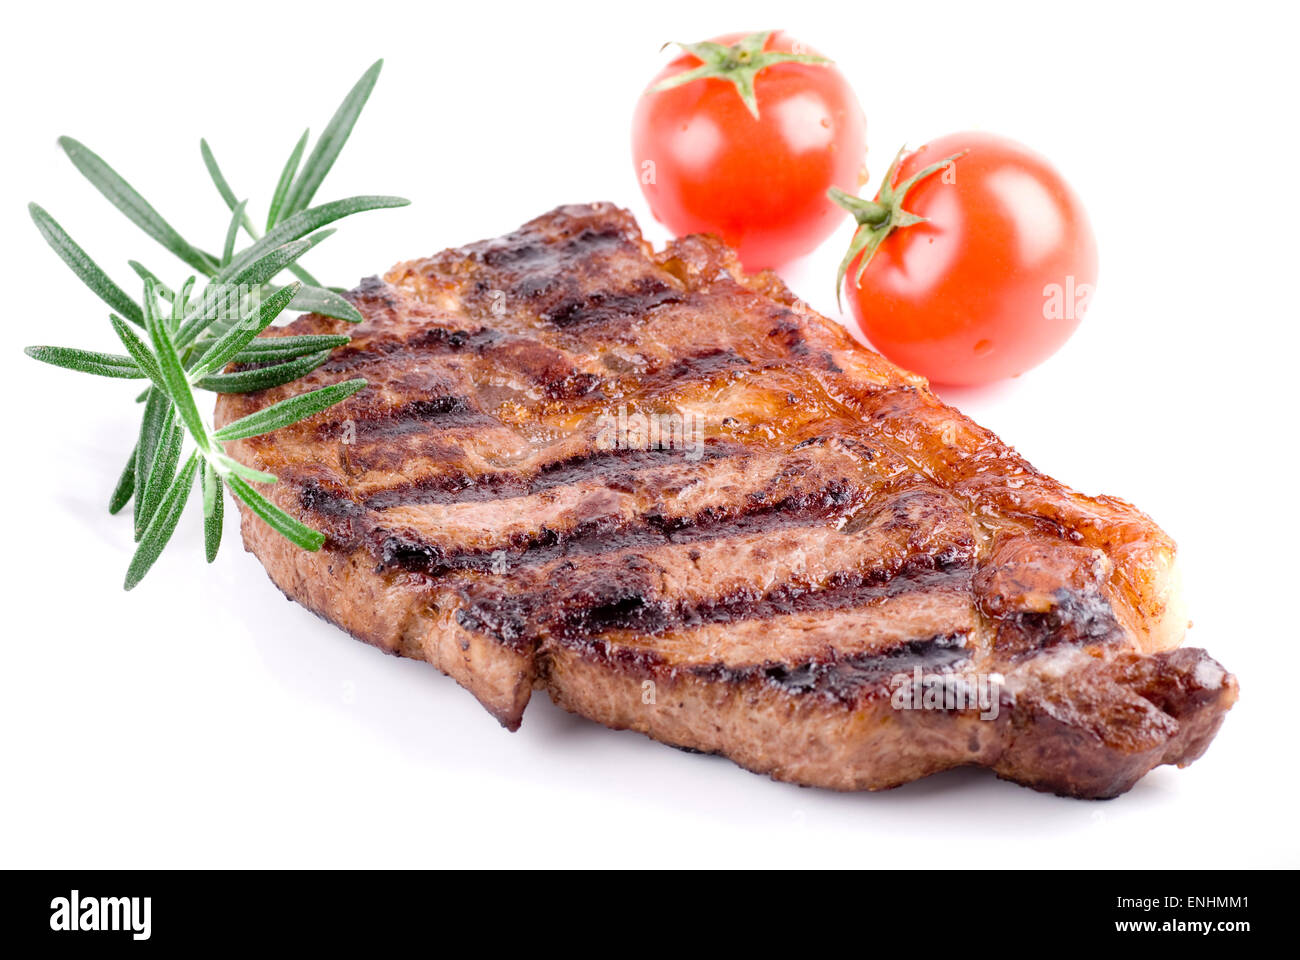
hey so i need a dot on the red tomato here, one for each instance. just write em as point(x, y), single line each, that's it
point(707, 165)
point(995, 282)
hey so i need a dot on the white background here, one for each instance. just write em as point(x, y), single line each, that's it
point(203, 721)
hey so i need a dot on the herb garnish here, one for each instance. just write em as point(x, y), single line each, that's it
point(188, 337)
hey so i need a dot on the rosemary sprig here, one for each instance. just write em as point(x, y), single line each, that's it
point(182, 339)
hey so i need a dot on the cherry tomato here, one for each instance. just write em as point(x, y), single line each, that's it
point(707, 164)
point(996, 280)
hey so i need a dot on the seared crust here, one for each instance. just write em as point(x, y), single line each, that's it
point(758, 585)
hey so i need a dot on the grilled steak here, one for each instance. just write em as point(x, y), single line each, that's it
point(681, 502)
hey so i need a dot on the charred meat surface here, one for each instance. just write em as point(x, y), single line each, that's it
point(679, 501)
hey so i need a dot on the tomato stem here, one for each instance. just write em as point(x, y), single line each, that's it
point(878, 218)
point(739, 64)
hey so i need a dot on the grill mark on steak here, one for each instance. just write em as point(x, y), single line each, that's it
point(616, 467)
point(602, 307)
point(598, 535)
point(322, 490)
point(846, 679)
point(553, 372)
point(809, 637)
point(623, 609)
point(630, 602)
point(377, 423)
point(843, 680)
point(448, 477)
point(702, 368)
point(431, 340)
point(414, 416)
